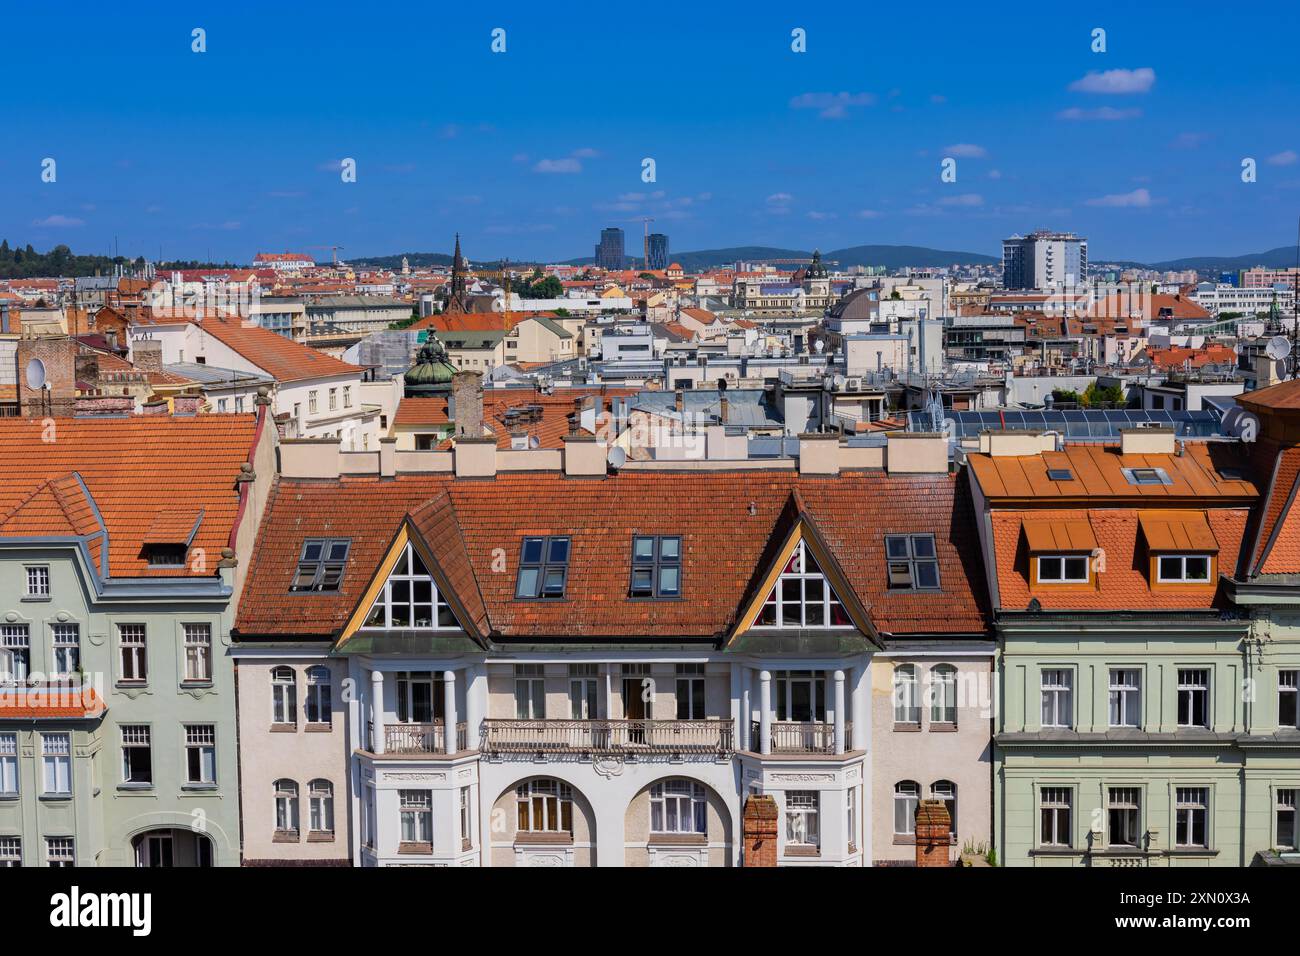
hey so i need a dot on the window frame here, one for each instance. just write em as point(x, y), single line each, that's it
point(904, 796)
point(1057, 808)
point(1182, 557)
point(943, 676)
point(319, 698)
point(804, 816)
point(63, 845)
point(655, 565)
point(42, 592)
point(1064, 557)
point(56, 758)
point(134, 738)
point(797, 570)
point(10, 766)
point(551, 797)
point(1058, 691)
point(1289, 692)
point(1282, 803)
point(200, 739)
point(1126, 693)
point(284, 696)
point(905, 676)
point(139, 653)
point(544, 566)
point(197, 651)
point(1194, 692)
point(912, 562)
point(1186, 811)
point(437, 603)
point(286, 806)
point(60, 646)
point(321, 567)
point(666, 802)
point(320, 806)
point(1121, 806)
point(16, 645)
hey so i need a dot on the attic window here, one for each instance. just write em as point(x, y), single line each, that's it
point(165, 555)
point(1183, 568)
point(320, 566)
point(1147, 476)
point(1060, 474)
point(543, 568)
point(802, 597)
point(912, 561)
point(656, 566)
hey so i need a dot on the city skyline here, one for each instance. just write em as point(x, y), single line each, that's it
point(1138, 148)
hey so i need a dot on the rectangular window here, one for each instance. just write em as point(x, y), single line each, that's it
point(1062, 569)
point(8, 764)
point(466, 819)
point(1183, 568)
point(851, 819)
point(334, 399)
point(543, 568)
point(530, 692)
point(1193, 697)
point(137, 754)
point(347, 396)
point(38, 581)
point(59, 852)
point(56, 762)
point(1125, 697)
point(1287, 691)
point(583, 691)
point(200, 753)
point(417, 816)
point(1191, 816)
point(801, 818)
point(135, 662)
point(943, 694)
point(1058, 698)
point(11, 852)
point(656, 566)
point(67, 649)
point(1286, 810)
point(198, 652)
point(544, 806)
point(320, 807)
point(690, 692)
point(321, 564)
point(1054, 816)
point(1123, 816)
point(15, 653)
point(313, 400)
point(913, 563)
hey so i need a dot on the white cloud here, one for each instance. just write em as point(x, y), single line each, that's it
point(965, 199)
point(966, 150)
point(1137, 199)
point(58, 221)
point(831, 105)
point(821, 216)
point(1287, 157)
point(779, 199)
point(585, 153)
point(567, 165)
point(1116, 81)
point(1101, 113)
point(868, 214)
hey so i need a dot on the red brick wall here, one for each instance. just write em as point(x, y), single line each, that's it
point(758, 826)
point(932, 834)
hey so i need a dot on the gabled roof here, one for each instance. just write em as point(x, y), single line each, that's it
point(282, 359)
point(726, 520)
point(69, 476)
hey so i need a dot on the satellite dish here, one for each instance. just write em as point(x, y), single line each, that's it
point(36, 377)
point(1279, 347)
point(617, 457)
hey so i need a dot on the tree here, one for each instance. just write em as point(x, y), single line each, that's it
point(1094, 396)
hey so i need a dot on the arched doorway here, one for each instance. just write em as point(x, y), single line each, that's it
point(172, 847)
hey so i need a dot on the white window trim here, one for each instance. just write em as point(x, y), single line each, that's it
point(1063, 557)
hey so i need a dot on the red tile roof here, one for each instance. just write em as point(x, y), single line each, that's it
point(135, 471)
point(726, 519)
point(49, 703)
point(282, 359)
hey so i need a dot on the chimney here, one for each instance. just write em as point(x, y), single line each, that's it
point(147, 355)
point(913, 453)
point(758, 829)
point(188, 404)
point(933, 834)
point(96, 405)
point(156, 407)
point(467, 399)
point(86, 368)
point(1146, 441)
point(680, 400)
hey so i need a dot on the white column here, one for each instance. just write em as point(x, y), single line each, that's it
point(449, 712)
point(737, 739)
point(839, 712)
point(609, 690)
point(475, 703)
point(377, 710)
point(765, 712)
point(746, 711)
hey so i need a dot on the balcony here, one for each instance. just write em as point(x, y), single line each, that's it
point(407, 739)
point(803, 737)
point(624, 737)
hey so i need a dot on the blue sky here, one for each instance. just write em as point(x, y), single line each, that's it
point(530, 152)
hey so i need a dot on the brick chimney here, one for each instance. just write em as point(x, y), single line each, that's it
point(467, 402)
point(86, 368)
point(97, 405)
point(933, 827)
point(146, 354)
point(679, 400)
point(187, 404)
point(758, 829)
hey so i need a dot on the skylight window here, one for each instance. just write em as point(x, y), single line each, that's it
point(912, 561)
point(1147, 476)
point(802, 597)
point(543, 568)
point(1060, 474)
point(321, 564)
point(656, 566)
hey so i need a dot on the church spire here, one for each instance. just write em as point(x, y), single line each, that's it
point(457, 302)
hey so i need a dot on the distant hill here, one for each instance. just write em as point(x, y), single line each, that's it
point(891, 257)
point(1279, 258)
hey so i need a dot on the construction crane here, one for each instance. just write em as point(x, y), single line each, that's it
point(334, 252)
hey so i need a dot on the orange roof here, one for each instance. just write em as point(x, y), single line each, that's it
point(1176, 356)
point(49, 703)
point(1097, 472)
point(120, 475)
point(1057, 535)
point(421, 411)
point(1176, 531)
point(1283, 395)
point(477, 321)
point(282, 359)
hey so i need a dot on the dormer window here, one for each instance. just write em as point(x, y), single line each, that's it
point(321, 564)
point(1181, 547)
point(1183, 568)
point(802, 597)
point(1062, 568)
point(410, 598)
point(912, 561)
point(165, 555)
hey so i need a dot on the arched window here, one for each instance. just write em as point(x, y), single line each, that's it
point(907, 705)
point(319, 705)
point(286, 806)
point(907, 797)
point(946, 791)
point(410, 599)
point(802, 597)
point(544, 806)
point(284, 696)
point(943, 694)
point(678, 806)
point(320, 794)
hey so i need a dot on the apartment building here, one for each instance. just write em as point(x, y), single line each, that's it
point(560, 665)
point(117, 593)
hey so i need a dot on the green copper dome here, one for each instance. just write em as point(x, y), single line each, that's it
point(431, 370)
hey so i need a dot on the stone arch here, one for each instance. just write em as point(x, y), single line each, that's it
point(555, 825)
point(647, 848)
